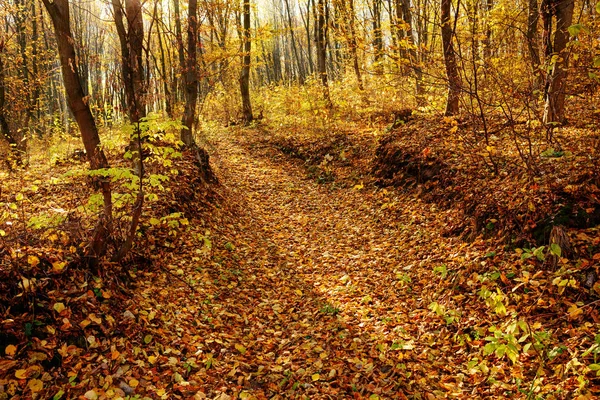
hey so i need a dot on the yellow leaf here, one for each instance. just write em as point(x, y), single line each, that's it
point(58, 307)
point(574, 311)
point(160, 392)
point(33, 260)
point(35, 385)
point(245, 395)
point(240, 348)
point(85, 323)
point(10, 350)
point(298, 292)
point(151, 359)
point(58, 266)
point(315, 377)
point(133, 382)
point(359, 186)
point(21, 374)
point(95, 319)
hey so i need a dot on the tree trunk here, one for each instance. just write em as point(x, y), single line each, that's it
point(320, 32)
point(131, 38)
point(190, 77)
point(4, 127)
point(245, 74)
point(452, 102)
point(299, 62)
point(487, 40)
point(191, 95)
point(59, 13)
point(163, 71)
point(532, 42)
point(180, 49)
point(352, 45)
point(377, 36)
point(404, 5)
point(554, 110)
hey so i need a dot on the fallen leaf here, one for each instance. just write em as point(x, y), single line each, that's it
point(35, 385)
point(240, 348)
point(59, 307)
point(10, 350)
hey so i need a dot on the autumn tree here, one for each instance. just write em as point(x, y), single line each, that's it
point(60, 15)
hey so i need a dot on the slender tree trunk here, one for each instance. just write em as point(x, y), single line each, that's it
point(191, 94)
point(554, 110)
point(417, 71)
point(487, 40)
point(353, 45)
point(377, 36)
point(245, 74)
point(163, 71)
point(320, 32)
point(59, 13)
point(452, 102)
point(532, 42)
point(4, 127)
point(180, 49)
point(190, 77)
point(299, 62)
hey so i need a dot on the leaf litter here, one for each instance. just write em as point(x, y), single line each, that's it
point(284, 287)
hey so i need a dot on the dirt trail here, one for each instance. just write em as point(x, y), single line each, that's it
point(326, 303)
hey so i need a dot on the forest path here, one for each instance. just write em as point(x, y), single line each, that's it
point(327, 296)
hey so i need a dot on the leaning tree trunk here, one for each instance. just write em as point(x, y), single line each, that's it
point(59, 13)
point(245, 74)
point(452, 102)
point(554, 110)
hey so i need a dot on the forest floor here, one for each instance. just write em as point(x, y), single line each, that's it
point(292, 284)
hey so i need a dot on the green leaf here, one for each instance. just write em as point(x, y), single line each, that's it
point(555, 249)
point(575, 30)
point(489, 348)
point(594, 367)
point(598, 8)
point(147, 339)
point(58, 395)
